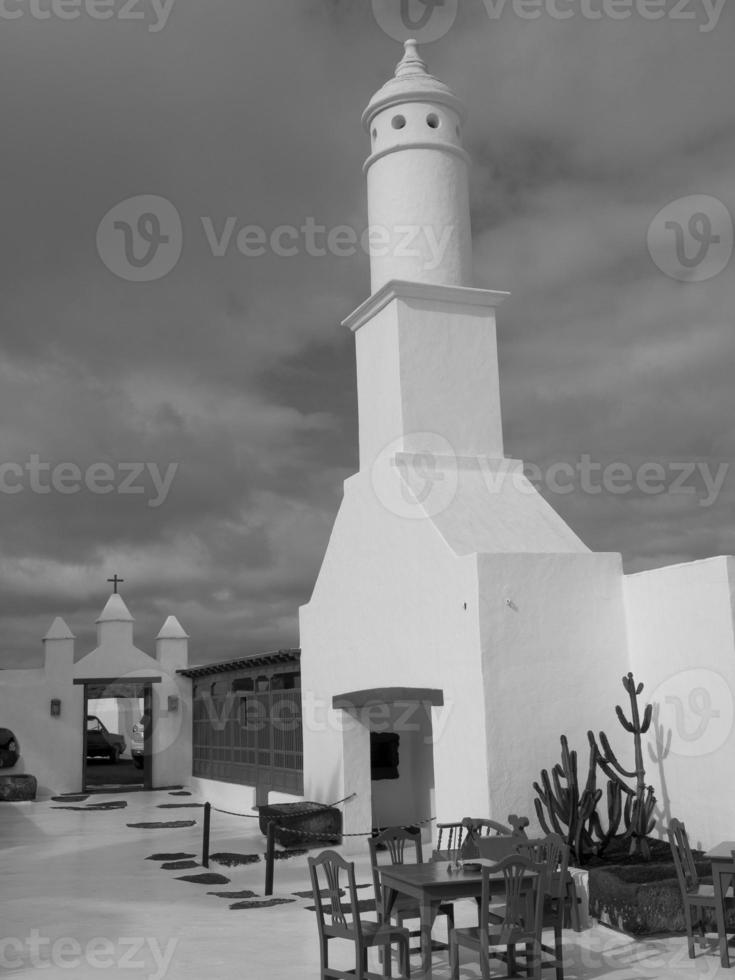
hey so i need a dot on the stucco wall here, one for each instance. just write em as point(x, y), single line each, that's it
point(680, 627)
point(51, 748)
point(554, 651)
point(391, 607)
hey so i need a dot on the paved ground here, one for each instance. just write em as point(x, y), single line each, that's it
point(103, 773)
point(81, 900)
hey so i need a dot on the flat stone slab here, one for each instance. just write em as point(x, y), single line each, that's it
point(261, 905)
point(232, 860)
point(170, 856)
point(15, 789)
point(208, 878)
point(163, 825)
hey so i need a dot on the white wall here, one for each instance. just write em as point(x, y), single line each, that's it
point(388, 610)
point(682, 642)
point(51, 748)
point(554, 652)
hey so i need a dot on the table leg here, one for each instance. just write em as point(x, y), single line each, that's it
point(429, 912)
point(720, 913)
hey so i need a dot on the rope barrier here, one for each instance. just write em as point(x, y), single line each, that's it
point(295, 813)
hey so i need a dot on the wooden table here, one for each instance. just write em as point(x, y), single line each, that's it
point(723, 872)
point(430, 884)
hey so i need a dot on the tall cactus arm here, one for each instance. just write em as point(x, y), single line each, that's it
point(612, 760)
point(646, 723)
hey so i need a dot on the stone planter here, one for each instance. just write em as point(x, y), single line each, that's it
point(312, 823)
point(643, 899)
point(16, 788)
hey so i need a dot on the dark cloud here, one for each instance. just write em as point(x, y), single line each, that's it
point(236, 368)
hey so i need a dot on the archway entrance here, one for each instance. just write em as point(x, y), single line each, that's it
point(117, 726)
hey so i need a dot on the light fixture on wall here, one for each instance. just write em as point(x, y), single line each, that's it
point(173, 702)
point(55, 707)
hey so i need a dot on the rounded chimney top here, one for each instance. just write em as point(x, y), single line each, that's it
point(411, 83)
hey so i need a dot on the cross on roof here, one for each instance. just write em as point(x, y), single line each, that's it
point(115, 582)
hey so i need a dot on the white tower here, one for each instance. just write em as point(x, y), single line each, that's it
point(418, 201)
point(427, 368)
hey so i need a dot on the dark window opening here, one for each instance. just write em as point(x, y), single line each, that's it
point(384, 755)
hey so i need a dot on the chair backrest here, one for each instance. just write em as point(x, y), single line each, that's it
point(331, 877)
point(395, 840)
point(496, 848)
point(524, 900)
point(449, 839)
point(686, 870)
point(553, 852)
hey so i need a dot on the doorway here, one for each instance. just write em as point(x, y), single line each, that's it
point(117, 731)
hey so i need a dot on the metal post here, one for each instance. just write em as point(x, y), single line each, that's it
point(205, 835)
point(270, 857)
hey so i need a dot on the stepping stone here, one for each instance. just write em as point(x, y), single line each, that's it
point(245, 893)
point(163, 825)
point(261, 905)
point(208, 878)
point(232, 860)
point(365, 905)
point(291, 852)
point(174, 806)
point(175, 856)
point(71, 798)
point(112, 805)
point(179, 865)
point(180, 792)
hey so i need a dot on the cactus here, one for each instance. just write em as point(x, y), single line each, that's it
point(567, 811)
point(639, 806)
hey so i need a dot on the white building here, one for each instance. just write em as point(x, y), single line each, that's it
point(47, 707)
point(454, 607)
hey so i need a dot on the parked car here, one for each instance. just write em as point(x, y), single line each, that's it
point(101, 742)
point(9, 748)
point(137, 743)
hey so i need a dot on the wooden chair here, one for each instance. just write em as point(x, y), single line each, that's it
point(517, 922)
point(335, 921)
point(695, 895)
point(552, 852)
point(459, 839)
point(395, 840)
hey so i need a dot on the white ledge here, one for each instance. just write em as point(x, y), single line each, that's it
point(431, 291)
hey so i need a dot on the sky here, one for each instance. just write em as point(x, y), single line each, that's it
point(183, 412)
